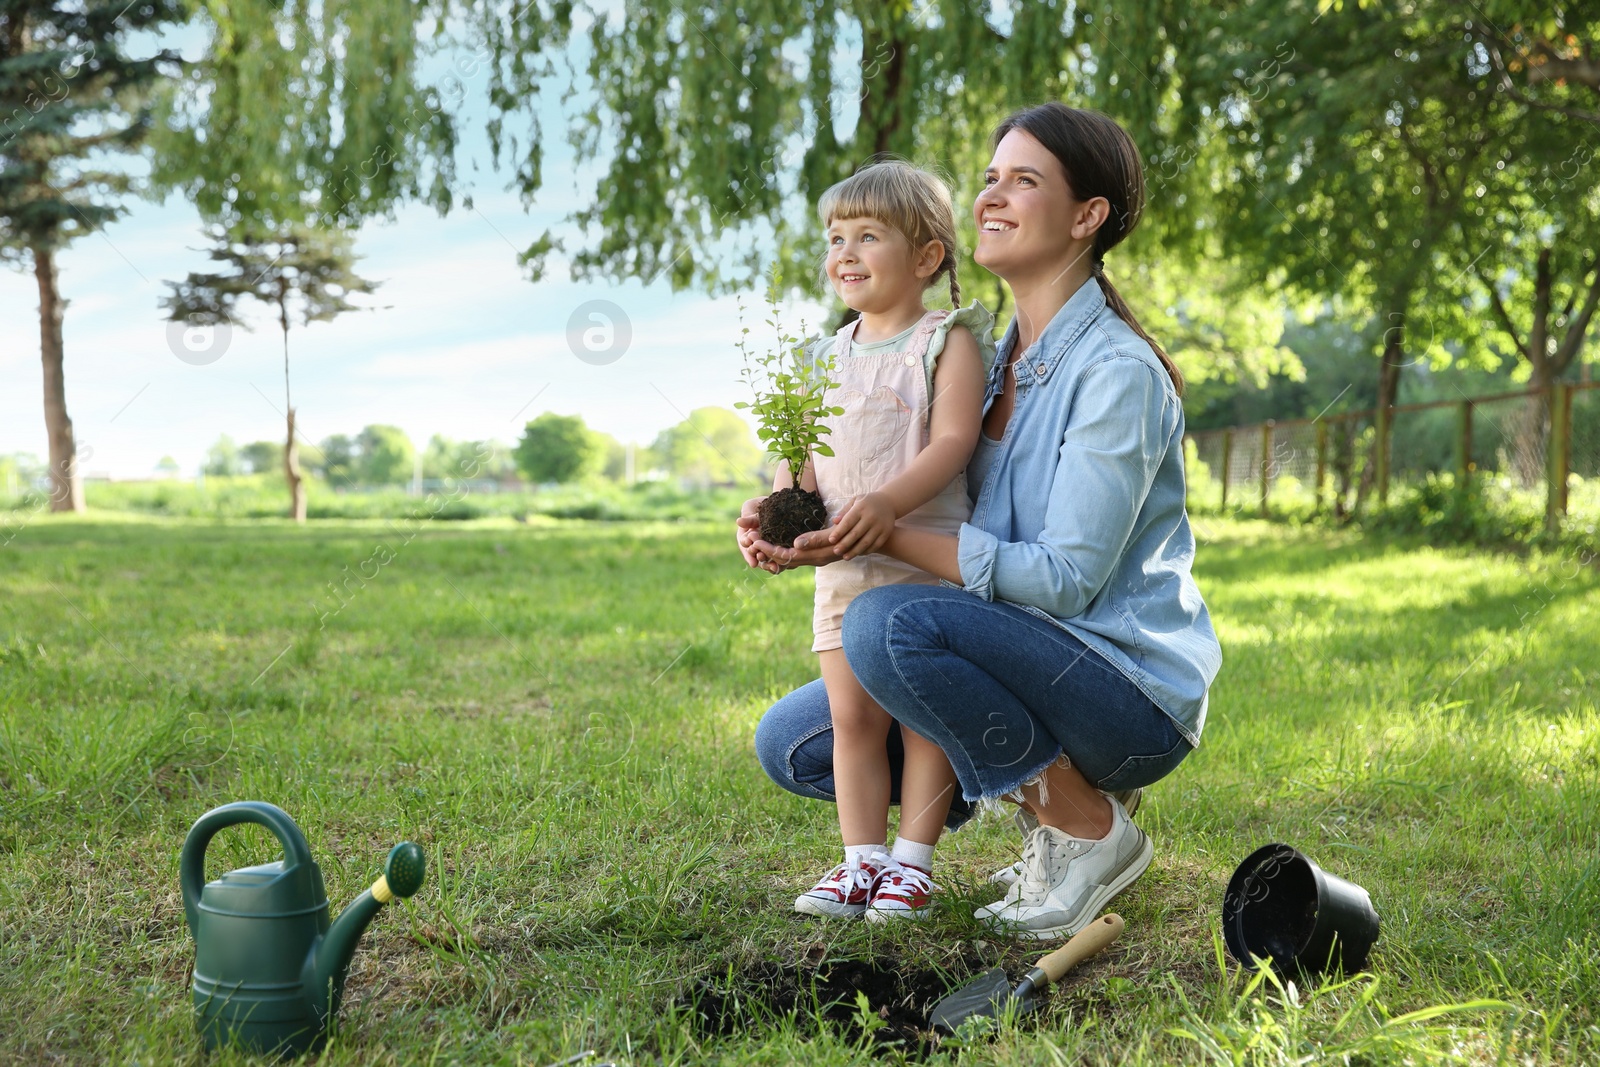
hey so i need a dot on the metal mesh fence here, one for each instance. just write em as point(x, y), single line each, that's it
point(1509, 440)
point(1583, 486)
point(1301, 466)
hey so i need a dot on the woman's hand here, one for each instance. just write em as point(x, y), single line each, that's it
point(864, 527)
point(810, 550)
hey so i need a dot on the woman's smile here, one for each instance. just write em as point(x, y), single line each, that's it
point(1023, 213)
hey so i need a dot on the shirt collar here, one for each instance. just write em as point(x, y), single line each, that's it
point(1081, 308)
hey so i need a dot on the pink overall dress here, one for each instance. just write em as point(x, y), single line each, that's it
point(884, 426)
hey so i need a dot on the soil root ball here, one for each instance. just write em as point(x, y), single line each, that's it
point(788, 513)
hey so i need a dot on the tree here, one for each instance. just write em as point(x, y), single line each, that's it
point(712, 446)
point(799, 95)
point(258, 457)
point(223, 457)
point(1545, 60)
point(628, 462)
point(386, 455)
point(558, 448)
point(308, 114)
point(471, 460)
point(1535, 286)
point(313, 269)
point(18, 473)
point(1321, 107)
point(69, 99)
point(1216, 321)
point(337, 460)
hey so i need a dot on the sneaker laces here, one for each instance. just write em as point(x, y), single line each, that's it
point(848, 877)
point(892, 870)
point(1036, 882)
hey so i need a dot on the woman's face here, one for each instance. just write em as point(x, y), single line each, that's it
point(1026, 214)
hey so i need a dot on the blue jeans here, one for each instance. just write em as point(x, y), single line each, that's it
point(1002, 691)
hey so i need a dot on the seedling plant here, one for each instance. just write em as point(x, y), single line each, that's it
point(790, 389)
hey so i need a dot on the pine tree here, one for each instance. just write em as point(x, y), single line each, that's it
point(70, 101)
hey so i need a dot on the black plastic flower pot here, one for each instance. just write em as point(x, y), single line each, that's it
point(1283, 907)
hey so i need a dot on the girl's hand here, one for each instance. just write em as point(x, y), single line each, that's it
point(810, 550)
point(746, 535)
point(864, 527)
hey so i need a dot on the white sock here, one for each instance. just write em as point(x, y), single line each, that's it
point(854, 854)
point(913, 852)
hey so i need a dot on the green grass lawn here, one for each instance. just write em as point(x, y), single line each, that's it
point(561, 714)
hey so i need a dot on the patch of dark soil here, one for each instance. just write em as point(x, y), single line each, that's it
point(900, 998)
point(788, 513)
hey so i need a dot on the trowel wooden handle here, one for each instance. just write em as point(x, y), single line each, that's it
point(1088, 941)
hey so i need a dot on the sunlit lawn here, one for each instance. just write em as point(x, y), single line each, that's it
point(562, 715)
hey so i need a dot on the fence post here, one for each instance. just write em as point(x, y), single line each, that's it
point(1382, 443)
point(1559, 455)
point(1266, 464)
point(1227, 462)
point(1322, 464)
point(1464, 446)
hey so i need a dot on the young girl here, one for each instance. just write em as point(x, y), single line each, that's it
point(911, 382)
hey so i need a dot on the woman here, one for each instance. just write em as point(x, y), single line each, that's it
point(1067, 653)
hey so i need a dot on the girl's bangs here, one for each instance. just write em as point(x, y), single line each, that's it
point(873, 194)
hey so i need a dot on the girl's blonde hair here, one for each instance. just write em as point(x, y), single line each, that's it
point(907, 199)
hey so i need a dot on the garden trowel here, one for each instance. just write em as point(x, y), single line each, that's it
point(991, 992)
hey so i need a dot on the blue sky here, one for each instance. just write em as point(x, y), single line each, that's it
point(467, 346)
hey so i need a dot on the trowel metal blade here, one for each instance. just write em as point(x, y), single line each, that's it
point(988, 994)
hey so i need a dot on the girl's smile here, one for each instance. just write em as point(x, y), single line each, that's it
point(875, 271)
point(865, 258)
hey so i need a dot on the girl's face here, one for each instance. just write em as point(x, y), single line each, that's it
point(873, 268)
point(1028, 220)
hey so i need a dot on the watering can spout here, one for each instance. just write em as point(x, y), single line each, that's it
point(326, 969)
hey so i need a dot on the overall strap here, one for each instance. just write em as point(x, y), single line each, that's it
point(842, 338)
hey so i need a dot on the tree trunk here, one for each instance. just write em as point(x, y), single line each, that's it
point(1394, 351)
point(1534, 425)
point(291, 452)
point(881, 126)
point(66, 481)
point(291, 471)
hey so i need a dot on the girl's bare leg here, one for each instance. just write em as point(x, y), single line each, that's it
point(860, 754)
point(927, 786)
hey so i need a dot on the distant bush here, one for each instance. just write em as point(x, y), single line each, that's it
point(1492, 511)
point(263, 496)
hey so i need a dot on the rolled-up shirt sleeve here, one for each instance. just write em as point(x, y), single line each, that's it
point(1110, 451)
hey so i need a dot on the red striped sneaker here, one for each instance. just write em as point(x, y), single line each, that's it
point(844, 892)
point(904, 891)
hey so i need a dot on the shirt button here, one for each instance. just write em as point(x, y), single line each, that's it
point(1041, 368)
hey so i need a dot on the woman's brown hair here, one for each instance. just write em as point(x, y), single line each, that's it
point(1099, 159)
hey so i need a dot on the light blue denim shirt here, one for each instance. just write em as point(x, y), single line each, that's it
point(1079, 515)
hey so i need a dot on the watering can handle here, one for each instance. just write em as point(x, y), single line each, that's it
point(192, 865)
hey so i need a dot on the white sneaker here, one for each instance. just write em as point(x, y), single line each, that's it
point(1067, 880)
point(1026, 822)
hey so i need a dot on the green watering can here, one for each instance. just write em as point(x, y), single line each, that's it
point(269, 972)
